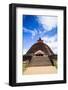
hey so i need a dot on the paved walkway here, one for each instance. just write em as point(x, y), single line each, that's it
point(40, 70)
point(40, 61)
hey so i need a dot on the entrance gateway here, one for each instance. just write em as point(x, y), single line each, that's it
point(39, 53)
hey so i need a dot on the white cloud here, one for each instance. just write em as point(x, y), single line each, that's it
point(48, 22)
point(33, 32)
point(24, 51)
point(51, 42)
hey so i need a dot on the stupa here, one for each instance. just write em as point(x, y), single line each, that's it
point(38, 54)
point(40, 49)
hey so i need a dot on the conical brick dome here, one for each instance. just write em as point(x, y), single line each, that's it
point(40, 46)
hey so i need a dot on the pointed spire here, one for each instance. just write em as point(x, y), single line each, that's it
point(40, 40)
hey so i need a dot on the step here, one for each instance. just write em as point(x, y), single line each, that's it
point(40, 61)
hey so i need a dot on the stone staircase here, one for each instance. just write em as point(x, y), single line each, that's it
point(40, 61)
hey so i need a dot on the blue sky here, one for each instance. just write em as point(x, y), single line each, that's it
point(35, 26)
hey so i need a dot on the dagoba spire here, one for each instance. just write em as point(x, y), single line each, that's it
point(40, 40)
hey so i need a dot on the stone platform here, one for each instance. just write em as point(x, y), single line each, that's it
point(40, 61)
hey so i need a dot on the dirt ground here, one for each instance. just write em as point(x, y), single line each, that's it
point(40, 70)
